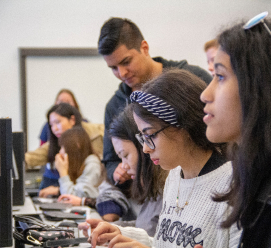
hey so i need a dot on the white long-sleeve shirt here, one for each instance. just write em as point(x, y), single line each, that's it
point(199, 222)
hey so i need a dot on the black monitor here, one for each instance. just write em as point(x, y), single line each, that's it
point(18, 168)
point(5, 183)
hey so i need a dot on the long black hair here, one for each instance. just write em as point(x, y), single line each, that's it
point(250, 56)
point(65, 110)
point(150, 179)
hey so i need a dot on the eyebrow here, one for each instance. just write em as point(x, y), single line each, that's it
point(121, 62)
point(146, 129)
point(120, 152)
point(126, 58)
point(219, 65)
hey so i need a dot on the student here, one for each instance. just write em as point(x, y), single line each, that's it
point(127, 53)
point(210, 48)
point(79, 168)
point(148, 179)
point(65, 96)
point(61, 117)
point(168, 114)
point(238, 110)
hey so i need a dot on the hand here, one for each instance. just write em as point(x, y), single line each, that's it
point(84, 226)
point(102, 233)
point(90, 223)
point(121, 242)
point(111, 217)
point(72, 199)
point(120, 175)
point(198, 246)
point(62, 164)
point(51, 190)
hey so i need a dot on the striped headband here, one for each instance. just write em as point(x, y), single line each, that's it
point(156, 106)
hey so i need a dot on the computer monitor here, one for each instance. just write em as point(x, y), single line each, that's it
point(18, 168)
point(5, 183)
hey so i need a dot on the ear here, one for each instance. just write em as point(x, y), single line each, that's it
point(144, 48)
point(72, 120)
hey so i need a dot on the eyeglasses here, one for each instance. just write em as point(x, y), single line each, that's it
point(148, 138)
point(256, 20)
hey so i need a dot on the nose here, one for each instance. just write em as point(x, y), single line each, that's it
point(122, 71)
point(54, 128)
point(210, 66)
point(211, 69)
point(146, 149)
point(207, 95)
point(125, 166)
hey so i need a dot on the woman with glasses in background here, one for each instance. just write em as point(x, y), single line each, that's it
point(168, 113)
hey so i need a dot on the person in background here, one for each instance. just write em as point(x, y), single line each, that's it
point(172, 132)
point(66, 96)
point(238, 111)
point(79, 168)
point(148, 179)
point(125, 51)
point(60, 118)
point(210, 48)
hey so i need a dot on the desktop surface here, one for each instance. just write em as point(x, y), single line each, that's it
point(30, 208)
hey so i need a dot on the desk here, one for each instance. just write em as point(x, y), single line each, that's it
point(29, 208)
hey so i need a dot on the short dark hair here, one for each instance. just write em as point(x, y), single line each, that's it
point(65, 110)
point(116, 32)
point(150, 179)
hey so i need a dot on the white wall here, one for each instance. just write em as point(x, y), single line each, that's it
point(175, 29)
point(84, 76)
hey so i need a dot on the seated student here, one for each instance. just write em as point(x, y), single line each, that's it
point(148, 179)
point(65, 96)
point(61, 117)
point(118, 203)
point(168, 113)
point(78, 166)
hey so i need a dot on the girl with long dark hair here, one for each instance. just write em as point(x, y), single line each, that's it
point(61, 117)
point(238, 111)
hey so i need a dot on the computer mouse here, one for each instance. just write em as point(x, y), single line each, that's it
point(68, 224)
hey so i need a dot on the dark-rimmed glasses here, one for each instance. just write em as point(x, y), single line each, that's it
point(148, 138)
point(256, 20)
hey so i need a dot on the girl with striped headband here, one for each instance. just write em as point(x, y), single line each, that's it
point(168, 113)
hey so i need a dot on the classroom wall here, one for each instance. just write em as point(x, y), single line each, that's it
point(174, 29)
